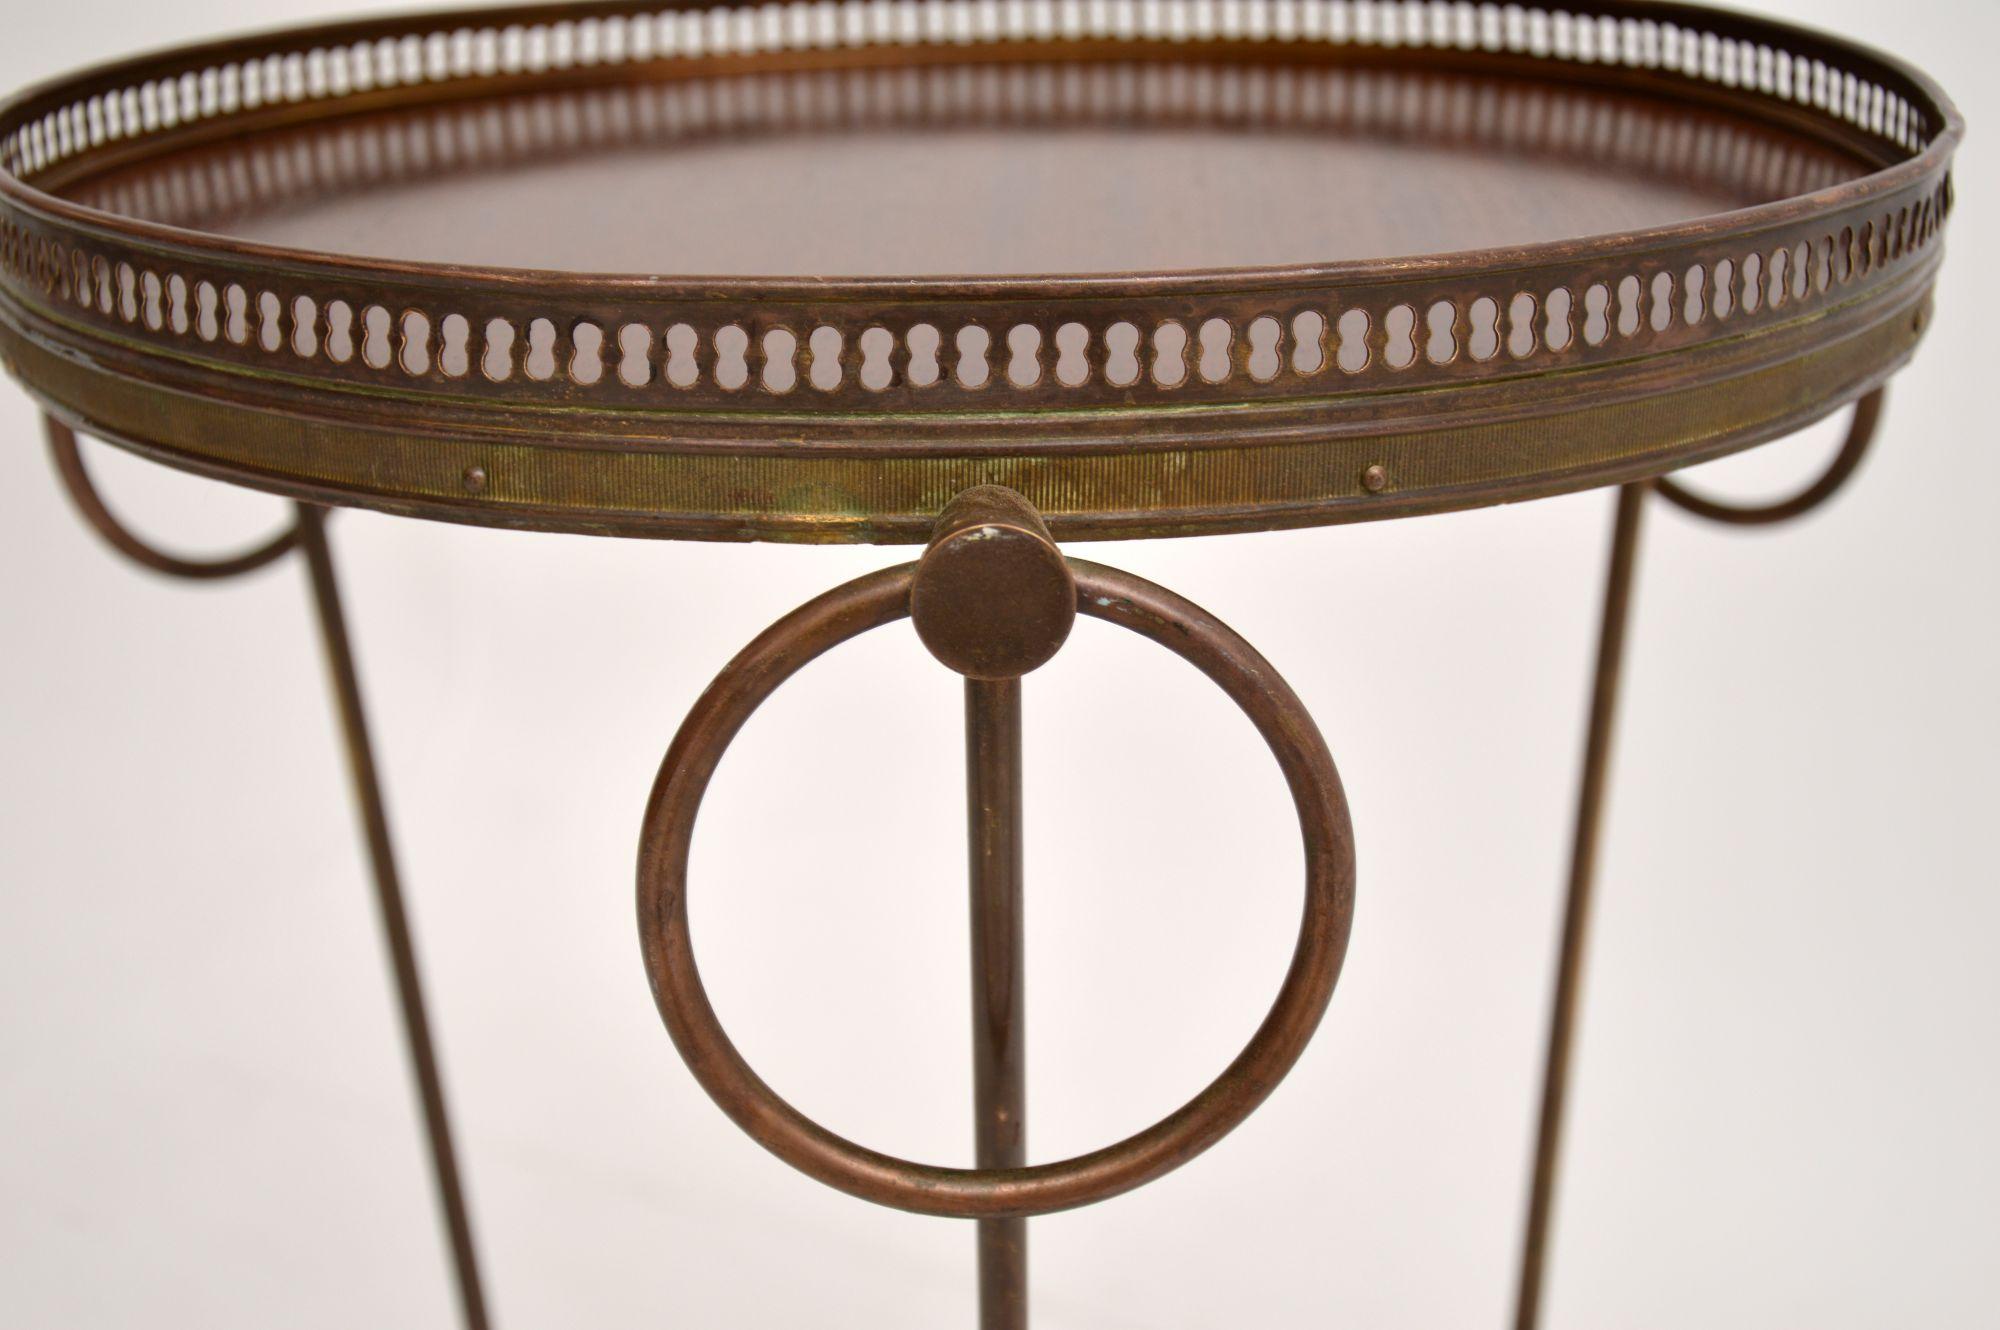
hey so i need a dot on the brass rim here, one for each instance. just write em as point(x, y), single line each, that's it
point(278, 364)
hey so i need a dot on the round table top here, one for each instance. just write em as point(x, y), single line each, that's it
point(738, 274)
point(985, 170)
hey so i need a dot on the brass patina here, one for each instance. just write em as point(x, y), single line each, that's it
point(1109, 268)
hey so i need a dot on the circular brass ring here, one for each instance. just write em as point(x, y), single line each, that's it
point(1860, 433)
point(69, 465)
point(881, 598)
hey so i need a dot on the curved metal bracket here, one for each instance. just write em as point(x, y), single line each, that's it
point(1860, 433)
point(1590, 805)
point(307, 534)
point(69, 465)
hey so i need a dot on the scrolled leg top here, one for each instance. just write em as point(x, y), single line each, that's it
point(1860, 433)
point(68, 460)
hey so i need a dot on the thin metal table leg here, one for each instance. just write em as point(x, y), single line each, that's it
point(993, 807)
point(395, 922)
point(1576, 912)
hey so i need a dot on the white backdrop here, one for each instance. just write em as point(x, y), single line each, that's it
point(1788, 1072)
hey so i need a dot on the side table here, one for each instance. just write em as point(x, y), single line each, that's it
point(1112, 269)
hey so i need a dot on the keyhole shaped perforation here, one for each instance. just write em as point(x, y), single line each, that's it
point(991, 1193)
